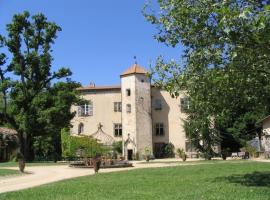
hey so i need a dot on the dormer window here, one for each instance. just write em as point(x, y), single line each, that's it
point(128, 92)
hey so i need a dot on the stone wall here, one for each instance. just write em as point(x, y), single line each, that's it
point(143, 114)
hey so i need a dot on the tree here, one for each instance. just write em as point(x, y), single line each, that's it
point(35, 104)
point(224, 68)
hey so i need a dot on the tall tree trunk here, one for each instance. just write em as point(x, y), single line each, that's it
point(25, 146)
point(21, 141)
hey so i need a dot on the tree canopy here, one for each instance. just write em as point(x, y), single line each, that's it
point(224, 66)
point(34, 102)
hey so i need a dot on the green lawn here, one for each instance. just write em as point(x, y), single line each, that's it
point(7, 172)
point(231, 180)
point(15, 164)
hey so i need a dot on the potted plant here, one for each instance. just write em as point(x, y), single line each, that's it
point(182, 154)
point(147, 154)
point(21, 161)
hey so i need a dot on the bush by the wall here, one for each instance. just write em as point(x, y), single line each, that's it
point(81, 146)
point(118, 147)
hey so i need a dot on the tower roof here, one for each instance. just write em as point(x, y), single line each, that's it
point(134, 69)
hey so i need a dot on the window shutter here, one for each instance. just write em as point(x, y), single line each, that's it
point(115, 106)
point(120, 106)
point(79, 111)
point(90, 106)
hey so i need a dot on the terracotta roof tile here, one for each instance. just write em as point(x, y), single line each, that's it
point(7, 131)
point(134, 69)
point(93, 87)
point(267, 117)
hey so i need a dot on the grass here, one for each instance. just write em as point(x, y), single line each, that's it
point(15, 164)
point(8, 172)
point(244, 180)
point(188, 162)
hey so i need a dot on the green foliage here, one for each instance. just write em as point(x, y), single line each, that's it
point(224, 68)
point(147, 153)
point(43, 147)
point(169, 150)
point(36, 100)
point(19, 156)
point(65, 142)
point(201, 133)
point(82, 146)
point(118, 147)
point(164, 150)
point(8, 172)
point(137, 156)
point(182, 154)
point(250, 149)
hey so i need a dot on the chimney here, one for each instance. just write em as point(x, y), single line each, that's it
point(92, 84)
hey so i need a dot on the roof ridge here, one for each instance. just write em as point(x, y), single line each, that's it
point(134, 69)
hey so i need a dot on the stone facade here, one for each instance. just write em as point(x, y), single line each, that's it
point(149, 117)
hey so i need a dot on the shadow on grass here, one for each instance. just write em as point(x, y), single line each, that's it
point(261, 179)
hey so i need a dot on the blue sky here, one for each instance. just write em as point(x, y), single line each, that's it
point(99, 38)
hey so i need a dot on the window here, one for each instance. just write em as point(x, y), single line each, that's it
point(85, 110)
point(158, 104)
point(80, 128)
point(117, 107)
point(159, 129)
point(128, 108)
point(128, 92)
point(118, 130)
point(184, 103)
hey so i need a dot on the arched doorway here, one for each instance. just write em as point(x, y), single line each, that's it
point(129, 148)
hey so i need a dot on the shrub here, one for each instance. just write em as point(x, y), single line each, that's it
point(147, 153)
point(83, 146)
point(164, 150)
point(137, 156)
point(225, 153)
point(169, 150)
point(250, 149)
point(182, 154)
point(118, 147)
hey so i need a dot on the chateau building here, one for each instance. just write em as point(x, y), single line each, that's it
point(134, 112)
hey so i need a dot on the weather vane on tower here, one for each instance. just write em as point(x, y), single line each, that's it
point(135, 58)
